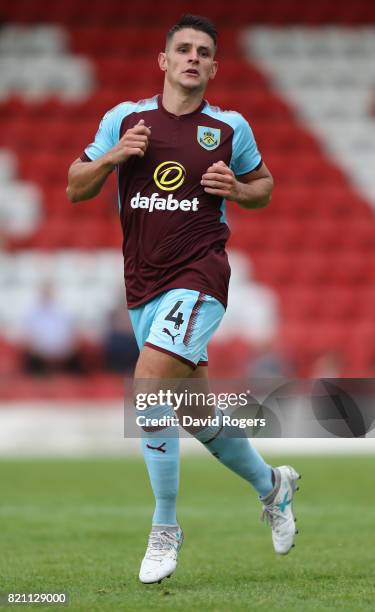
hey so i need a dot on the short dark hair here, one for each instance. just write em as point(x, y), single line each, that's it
point(195, 22)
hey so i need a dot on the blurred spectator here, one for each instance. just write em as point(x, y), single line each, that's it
point(120, 347)
point(269, 360)
point(50, 338)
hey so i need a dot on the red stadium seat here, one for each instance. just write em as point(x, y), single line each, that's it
point(310, 268)
point(119, 72)
point(56, 233)
point(10, 360)
point(273, 268)
point(351, 269)
point(300, 304)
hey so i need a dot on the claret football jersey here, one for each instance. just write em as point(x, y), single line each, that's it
point(174, 232)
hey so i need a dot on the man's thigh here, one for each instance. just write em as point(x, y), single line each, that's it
point(178, 324)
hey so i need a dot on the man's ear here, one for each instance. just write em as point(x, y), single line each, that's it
point(162, 59)
point(214, 69)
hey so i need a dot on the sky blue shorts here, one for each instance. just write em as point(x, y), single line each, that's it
point(179, 322)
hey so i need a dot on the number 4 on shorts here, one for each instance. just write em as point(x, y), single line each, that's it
point(176, 319)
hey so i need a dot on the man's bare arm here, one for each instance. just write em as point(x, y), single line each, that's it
point(252, 190)
point(255, 188)
point(85, 179)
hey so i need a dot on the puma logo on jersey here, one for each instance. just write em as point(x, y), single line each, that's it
point(166, 331)
point(160, 448)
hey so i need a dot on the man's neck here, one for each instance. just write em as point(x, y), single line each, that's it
point(181, 102)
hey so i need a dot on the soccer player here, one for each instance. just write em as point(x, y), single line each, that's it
point(177, 160)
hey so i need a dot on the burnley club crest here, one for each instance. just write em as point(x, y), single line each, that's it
point(208, 138)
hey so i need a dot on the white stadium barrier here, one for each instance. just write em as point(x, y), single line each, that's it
point(328, 76)
point(49, 428)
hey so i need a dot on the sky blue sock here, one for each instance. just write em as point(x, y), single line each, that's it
point(237, 454)
point(162, 457)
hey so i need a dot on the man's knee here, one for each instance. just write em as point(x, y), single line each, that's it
point(153, 363)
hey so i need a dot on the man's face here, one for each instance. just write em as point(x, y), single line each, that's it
point(188, 60)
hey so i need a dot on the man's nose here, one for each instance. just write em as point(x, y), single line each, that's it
point(194, 57)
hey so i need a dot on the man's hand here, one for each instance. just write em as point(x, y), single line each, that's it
point(251, 190)
point(220, 180)
point(134, 142)
point(86, 179)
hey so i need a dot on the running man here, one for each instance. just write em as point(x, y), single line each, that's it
point(177, 160)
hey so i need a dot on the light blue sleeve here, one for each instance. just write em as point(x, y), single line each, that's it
point(108, 133)
point(245, 154)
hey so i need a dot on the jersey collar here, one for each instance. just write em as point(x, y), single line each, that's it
point(180, 117)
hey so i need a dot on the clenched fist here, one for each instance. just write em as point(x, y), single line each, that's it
point(220, 180)
point(134, 142)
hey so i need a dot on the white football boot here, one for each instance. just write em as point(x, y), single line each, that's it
point(160, 560)
point(278, 509)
